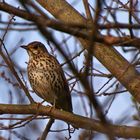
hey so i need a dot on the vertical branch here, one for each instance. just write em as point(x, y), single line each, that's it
point(130, 18)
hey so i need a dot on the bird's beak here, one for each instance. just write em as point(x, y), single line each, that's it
point(24, 47)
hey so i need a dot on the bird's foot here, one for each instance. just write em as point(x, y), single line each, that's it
point(51, 107)
point(39, 103)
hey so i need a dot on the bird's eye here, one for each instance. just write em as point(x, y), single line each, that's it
point(35, 47)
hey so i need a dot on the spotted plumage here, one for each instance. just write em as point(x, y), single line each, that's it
point(46, 77)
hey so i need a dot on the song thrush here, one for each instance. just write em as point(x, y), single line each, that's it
point(46, 77)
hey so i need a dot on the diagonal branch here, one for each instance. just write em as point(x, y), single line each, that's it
point(74, 28)
point(108, 56)
point(47, 129)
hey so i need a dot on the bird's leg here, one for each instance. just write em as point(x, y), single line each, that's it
point(38, 106)
point(53, 105)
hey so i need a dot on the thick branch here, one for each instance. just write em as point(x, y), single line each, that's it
point(72, 28)
point(76, 120)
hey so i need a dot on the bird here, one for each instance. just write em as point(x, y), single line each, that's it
point(46, 77)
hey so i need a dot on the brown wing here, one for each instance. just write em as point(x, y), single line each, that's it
point(66, 100)
point(63, 93)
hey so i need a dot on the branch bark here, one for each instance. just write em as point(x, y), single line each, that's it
point(76, 120)
point(74, 28)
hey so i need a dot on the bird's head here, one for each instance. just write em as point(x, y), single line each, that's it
point(35, 48)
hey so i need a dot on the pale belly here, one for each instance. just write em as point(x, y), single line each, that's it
point(41, 86)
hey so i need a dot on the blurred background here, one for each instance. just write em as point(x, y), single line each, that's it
point(118, 106)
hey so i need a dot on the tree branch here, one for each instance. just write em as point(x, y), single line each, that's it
point(75, 28)
point(107, 55)
point(76, 120)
